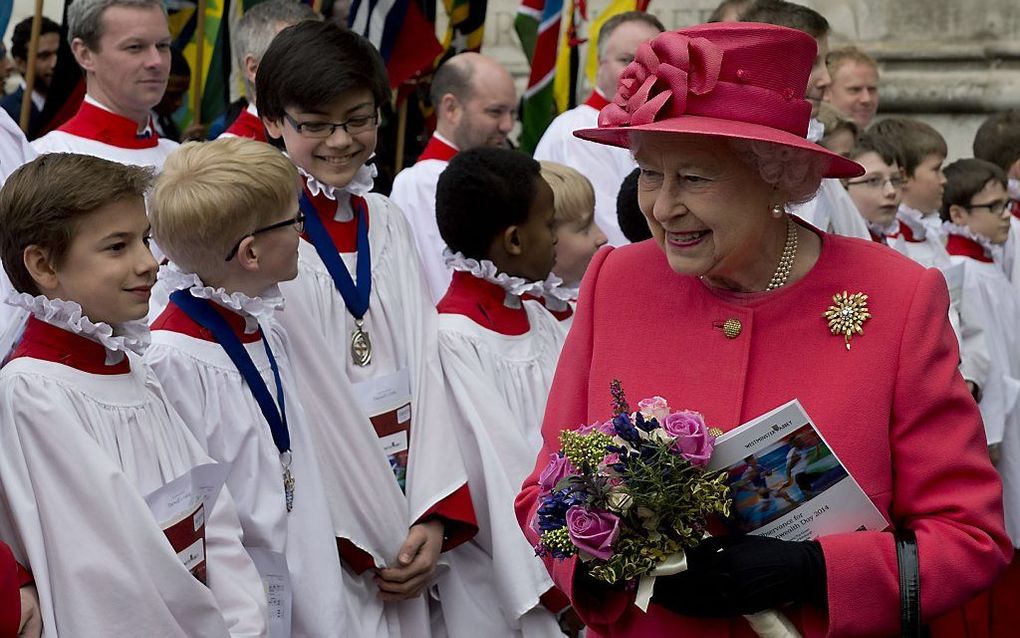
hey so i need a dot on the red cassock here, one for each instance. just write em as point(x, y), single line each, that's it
point(893, 407)
point(12, 577)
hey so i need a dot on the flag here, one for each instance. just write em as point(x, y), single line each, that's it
point(466, 26)
point(615, 7)
point(401, 32)
point(211, 78)
point(538, 26)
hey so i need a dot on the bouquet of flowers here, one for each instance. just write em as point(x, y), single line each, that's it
point(630, 495)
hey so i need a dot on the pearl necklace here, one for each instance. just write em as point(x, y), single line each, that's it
point(785, 266)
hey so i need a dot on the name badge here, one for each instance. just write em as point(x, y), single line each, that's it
point(387, 402)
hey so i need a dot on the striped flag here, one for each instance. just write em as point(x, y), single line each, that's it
point(401, 32)
point(538, 25)
point(466, 26)
point(214, 73)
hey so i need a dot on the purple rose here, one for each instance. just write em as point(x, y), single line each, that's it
point(558, 467)
point(592, 531)
point(692, 438)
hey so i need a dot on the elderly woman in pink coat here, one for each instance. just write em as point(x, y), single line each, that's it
point(722, 312)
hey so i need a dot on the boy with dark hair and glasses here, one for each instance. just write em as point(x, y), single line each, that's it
point(359, 313)
point(227, 215)
point(976, 218)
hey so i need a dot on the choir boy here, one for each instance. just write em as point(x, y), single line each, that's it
point(578, 237)
point(975, 212)
point(359, 313)
point(998, 141)
point(107, 497)
point(226, 214)
point(498, 353)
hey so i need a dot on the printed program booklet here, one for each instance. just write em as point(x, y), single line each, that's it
point(787, 483)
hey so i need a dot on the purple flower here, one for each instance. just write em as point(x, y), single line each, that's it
point(592, 531)
point(558, 468)
point(692, 438)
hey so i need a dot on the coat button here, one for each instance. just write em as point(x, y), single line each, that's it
point(731, 328)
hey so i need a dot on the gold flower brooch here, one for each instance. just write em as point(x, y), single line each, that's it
point(847, 314)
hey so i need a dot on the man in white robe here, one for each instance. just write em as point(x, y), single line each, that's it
point(605, 166)
point(476, 104)
point(124, 50)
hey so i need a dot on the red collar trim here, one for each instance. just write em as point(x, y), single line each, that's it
point(95, 123)
point(343, 234)
point(47, 342)
point(561, 315)
point(249, 126)
point(1014, 208)
point(966, 247)
point(482, 302)
point(437, 149)
point(875, 237)
point(597, 101)
point(173, 319)
point(908, 234)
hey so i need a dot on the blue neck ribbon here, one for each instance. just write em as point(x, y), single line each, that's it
point(355, 296)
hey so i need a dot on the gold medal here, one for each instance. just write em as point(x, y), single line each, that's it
point(361, 345)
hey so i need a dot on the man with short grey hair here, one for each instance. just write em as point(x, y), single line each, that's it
point(606, 166)
point(123, 46)
point(254, 33)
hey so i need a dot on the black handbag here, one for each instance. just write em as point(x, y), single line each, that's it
point(910, 585)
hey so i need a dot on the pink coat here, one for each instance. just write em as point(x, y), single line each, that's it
point(894, 408)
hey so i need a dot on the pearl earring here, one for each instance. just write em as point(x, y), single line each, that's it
point(778, 210)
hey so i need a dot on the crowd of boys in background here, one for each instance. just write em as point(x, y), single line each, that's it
point(339, 391)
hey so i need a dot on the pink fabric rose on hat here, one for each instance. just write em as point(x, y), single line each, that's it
point(692, 438)
point(593, 532)
point(553, 473)
point(656, 408)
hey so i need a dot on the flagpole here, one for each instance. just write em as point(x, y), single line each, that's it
point(398, 162)
point(317, 6)
point(196, 97)
point(33, 52)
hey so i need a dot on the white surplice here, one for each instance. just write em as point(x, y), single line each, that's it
point(213, 399)
point(498, 384)
point(988, 288)
point(78, 451)
point(414, 193)
point(367, 505)
point(833, 211)
point(604, 166)
point(14, 151)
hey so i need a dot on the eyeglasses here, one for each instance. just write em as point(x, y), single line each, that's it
point(298, 221)
point(322, 130)
point(879, 181)
point(995, 208)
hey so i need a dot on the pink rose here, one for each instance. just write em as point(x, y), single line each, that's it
point(692, 438)
point(592, 531)
point(655, 407)
point(558, 468)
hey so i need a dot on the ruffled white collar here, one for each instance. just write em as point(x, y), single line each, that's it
point(815, 130)
point(991, 250)
point(1013, 189)
point(914, 220)
point(251, 308)
point(554, 294)
point(885, 231)
point(118, 340)
point(359, 185)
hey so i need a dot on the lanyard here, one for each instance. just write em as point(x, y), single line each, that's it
point(355, 296)
point(201, 312)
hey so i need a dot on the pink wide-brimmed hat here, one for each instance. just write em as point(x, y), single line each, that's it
point(742, 80)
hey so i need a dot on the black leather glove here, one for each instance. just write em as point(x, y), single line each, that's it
point(730, 576)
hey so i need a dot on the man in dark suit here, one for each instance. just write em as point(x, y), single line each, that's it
point(45, 62)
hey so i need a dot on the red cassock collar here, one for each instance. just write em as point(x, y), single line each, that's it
point(249, 126)
point(343, 234)
point(908, 234)
point(966, 247)
point(95, 123)
point(482, 302)
point(437, 149)
point(176, 320)
point(597, 101)
point(47, 342)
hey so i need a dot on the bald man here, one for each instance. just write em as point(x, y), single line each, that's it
point(476, 104)
point(605, 166)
